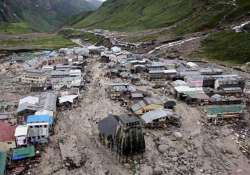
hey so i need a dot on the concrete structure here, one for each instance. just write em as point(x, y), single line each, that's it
point(39, 127)
point(34, 77)
point(21, 135)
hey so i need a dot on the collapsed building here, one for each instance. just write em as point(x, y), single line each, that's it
point(122, 134)
point(160, 118)
point(146, 105)
point(117, 91)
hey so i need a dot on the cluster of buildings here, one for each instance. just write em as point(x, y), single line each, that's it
point(223, 94)
point(55, 80)
point(196, 83)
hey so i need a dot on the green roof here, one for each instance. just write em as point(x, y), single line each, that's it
point(3, 160)
point(23, 153)
point(221, 109)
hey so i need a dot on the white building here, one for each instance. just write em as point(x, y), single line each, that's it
point(21, 135)
point(38, 132)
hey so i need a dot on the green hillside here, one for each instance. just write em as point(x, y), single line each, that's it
point(188, 15)
point(15, 28)
point(228, 46)
point(183, 17)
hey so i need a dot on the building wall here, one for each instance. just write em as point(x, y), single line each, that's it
point(38, 132)
point(33, 79)
point(6, 146)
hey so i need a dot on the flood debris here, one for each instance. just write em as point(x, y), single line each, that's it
point(70, 154)
point(162, 106)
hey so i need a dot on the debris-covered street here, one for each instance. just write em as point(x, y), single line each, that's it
point(183, 141)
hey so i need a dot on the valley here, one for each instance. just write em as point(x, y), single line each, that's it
point(125, 87)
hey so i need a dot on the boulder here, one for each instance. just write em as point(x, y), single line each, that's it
point(178, 135)
point(163, 148)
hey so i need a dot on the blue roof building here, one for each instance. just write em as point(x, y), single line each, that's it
point(40, 119)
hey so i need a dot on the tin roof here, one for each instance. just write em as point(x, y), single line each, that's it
point(156, 114)
point(6, 132)
point(29, 99)
point(67, 98)
point(23, 153)
point(222, 109)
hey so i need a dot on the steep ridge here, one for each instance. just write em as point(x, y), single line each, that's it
point(41, 15)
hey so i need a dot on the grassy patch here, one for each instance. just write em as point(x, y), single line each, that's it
point(39, 42)
point(90, 37)
point(134, 15)
point(228, 46)
point(188, 15)
point(14, 28)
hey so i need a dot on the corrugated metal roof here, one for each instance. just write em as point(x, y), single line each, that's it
point(138, 106)
point(48, 101)
point(29, 99)
point(156, 114)
point(24, 106)
point(6, 132)
point(45, 112)
point(40, 119)
point(67, 98)
point(23, 153)
point(221, 109)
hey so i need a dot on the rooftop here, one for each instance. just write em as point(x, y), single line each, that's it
point(222, 109)
point(40, 119)
point(23, 153)
point(156, 114)
point(3, 161)
point(6, 132)
point(21, 130)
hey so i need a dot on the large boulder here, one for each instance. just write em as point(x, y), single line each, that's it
point(163, 148)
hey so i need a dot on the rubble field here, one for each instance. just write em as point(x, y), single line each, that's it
point(195, 148)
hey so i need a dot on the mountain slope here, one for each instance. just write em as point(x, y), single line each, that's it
point(42, 15)
point(190, 15)
point(177, 18)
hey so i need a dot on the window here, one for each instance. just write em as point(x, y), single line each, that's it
point(9, 143)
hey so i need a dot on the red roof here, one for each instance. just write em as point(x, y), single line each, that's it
point(7, 132)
